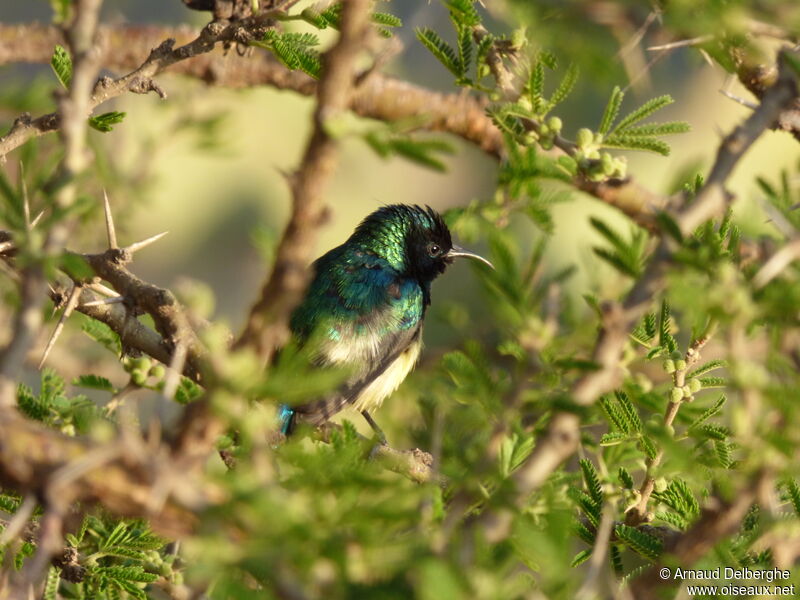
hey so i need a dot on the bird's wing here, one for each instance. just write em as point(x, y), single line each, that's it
point(391, 346)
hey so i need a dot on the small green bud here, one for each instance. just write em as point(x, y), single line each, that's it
point(483, 71)
point(518, 38)
point(584, 138)
point(687, 392)
point(547, 144)
point(620, 167)
point(596, 176)
point(676, 355)
point(608, 164)
point(138, 377)
point(593, 155)
point(680, 364)
point(695, 385)
point(670, 430)
point(142, 363)
point(660, 485)
point(544, 130)
point(598, 138)
point(494, 96)
point(525, 102)
point(157, 371)
point(669, 366)
point(676, 395)
point(555, 124)
point(530, 138)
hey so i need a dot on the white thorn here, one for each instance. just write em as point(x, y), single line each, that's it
point(112, 233)
point(114, 300)
point(37, 218)
point(742, 101)
point(682, 43)
point(6, 246)
point(135, 247)
point(72, 301)
point(102, 289)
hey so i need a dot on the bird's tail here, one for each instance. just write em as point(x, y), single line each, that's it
point(286, 418)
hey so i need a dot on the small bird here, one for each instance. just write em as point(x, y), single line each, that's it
point(365, 307)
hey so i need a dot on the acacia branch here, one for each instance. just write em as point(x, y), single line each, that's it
point(122, 49)
point(377, 96)
point(80, 35)
point(267, 326)
point(719, 519)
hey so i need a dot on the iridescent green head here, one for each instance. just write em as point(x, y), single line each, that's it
point(414, 240)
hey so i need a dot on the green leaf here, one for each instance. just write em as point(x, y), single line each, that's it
point(102, 333)
point(386, 19)
point(106, 121)
point(440, 49)
point(631, 415)
point(615, 557)
point(592, 481)
point(463, 13)
point(588, 506)
point(709, 412)
point(625, 478)
point(640, 542)
point(711, 431)
point(61, 10)
point(294, 50)
point(669, 128)
point(613, 438)
point(713, 382)
point(422, 152)
point(536, 85)
point(723, 452)
point(612, 110)
point(187, 391)
point(62, 65)
point(665, 339)
point(51, 584)
point(709, 366)
point(793, 491)
point(75, 266)
point(669, 226)
point(464, 51)
point(583, 532)
point(581, 557)
point(630, 142)
point(94, 382)
point(564, 88)
point(644, 111)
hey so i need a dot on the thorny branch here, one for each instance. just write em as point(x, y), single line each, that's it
point(72, 106)
point(377, 96)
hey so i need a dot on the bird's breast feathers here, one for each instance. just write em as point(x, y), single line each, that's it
point(384, 385)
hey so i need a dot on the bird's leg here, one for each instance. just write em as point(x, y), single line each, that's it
point(375, 428)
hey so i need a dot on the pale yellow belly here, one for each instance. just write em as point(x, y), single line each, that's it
point(387, 382)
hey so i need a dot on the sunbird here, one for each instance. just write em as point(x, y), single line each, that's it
point(365, 306)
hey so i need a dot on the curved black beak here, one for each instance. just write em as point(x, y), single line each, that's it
point(457, 252)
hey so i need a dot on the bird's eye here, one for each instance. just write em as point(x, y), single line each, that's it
point(434, 250)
